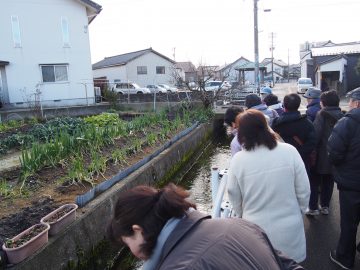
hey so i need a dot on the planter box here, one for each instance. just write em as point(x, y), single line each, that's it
point(17, 254)
point(62, 221)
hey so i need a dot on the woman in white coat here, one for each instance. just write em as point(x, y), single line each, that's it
point(268, 185)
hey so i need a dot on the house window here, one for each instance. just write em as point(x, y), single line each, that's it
point(65, 32)
point(54, 73)
point(16, 31)
point(141, 70)
point(160, 70)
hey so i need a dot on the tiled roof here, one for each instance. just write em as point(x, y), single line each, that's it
point(123, 59)
point(249, 66)
point(348, 48)
point(276, 62)
point(92, 4)
point(186, 66)
point(230, 65)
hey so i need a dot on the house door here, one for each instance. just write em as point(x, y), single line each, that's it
point(4, 96)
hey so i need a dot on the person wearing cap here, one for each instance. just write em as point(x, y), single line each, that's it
point(344, 153)
point(253, 101)
point(312, 96)
point(229, 121)
point(265, 91)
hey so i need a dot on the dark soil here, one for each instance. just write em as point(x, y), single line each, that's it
point(48, 189)
point(26, 237)
point(23, 129)
point(25, 218)
point(59, 214)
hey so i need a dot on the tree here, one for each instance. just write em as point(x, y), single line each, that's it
point(204, 74)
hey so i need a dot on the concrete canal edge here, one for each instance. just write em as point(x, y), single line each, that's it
point(64, 250)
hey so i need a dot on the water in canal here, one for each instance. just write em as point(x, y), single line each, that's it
point(197, 180)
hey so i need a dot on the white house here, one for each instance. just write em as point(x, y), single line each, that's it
point(45, 52)
point(306, 60)
point(232, 74)
point(279, 66)
point(142, 67)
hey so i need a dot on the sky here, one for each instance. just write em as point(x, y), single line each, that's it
point(214, 32)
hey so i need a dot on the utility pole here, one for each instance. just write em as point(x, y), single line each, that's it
point(288, 66)
point(174, 52)
point(256, 47)
point(272, 57)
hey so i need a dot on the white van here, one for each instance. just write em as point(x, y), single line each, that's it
point(303, 84)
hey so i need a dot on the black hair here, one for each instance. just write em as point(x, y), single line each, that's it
point(271, 99)
point(231, 113)
point(149, 208)
point(330, 99)
point(292, 102)
point(252, 100)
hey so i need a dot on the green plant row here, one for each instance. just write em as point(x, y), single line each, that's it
point(91, 136)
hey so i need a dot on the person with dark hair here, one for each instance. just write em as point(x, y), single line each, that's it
point(272, 102)
point(312, 96)
point(268, 185)
point(229, 121)
point(161, 227)
point(296, 129)
point(253, 101)
point(344, 154)
point(322, 176)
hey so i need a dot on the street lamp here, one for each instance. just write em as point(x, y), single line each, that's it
point(256, 45)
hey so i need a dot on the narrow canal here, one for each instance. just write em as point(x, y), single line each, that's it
point(322, 232)
point(196, 179)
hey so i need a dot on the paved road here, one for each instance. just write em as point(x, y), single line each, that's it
point(282, 89)
point(321, 236)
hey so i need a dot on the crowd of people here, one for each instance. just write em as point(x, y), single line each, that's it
point(283, 165)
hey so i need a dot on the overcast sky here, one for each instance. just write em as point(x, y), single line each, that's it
point(215, 32)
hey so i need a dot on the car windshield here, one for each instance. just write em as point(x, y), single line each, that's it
point(305, 81)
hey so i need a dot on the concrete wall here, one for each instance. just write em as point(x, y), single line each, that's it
point(89, 228)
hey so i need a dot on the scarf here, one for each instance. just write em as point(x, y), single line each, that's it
point(152, 262)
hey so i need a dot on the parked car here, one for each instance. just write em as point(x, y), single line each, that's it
point(130, 88)
point(168, 88)
point(156, 88)
point(303, 84)
point(216, 85)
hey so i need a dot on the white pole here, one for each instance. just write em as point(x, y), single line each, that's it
point(214, 182)
point(256, 47)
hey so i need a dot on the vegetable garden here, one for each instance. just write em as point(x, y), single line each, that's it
point(65, 157)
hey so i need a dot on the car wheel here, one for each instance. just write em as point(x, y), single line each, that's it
point(139, 92)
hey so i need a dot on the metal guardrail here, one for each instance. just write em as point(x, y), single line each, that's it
point(221, 208)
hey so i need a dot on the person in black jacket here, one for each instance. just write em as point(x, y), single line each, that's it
point(296, 129)
point(324, 123)
point(344, 153)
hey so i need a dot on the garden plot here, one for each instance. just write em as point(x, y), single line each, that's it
point(66, 157)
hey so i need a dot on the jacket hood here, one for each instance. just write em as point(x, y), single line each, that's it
point(276, 106)
point(354, 114)
point(260, 107)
